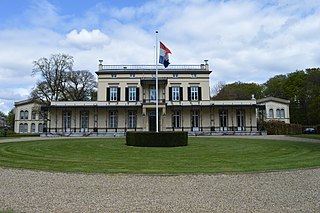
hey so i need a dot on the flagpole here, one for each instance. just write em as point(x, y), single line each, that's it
point(157, 107)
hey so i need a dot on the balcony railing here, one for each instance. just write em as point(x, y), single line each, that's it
point(153, 67)
point(153, 101)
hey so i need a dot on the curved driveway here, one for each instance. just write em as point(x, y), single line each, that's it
point(285, 191)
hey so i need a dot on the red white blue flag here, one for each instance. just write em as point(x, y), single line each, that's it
point(164, 57)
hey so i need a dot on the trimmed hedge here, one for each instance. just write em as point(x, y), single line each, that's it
point(281, 128)
point(157, 139)
point(12, 134)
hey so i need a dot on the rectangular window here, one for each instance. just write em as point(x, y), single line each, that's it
point(175, 75)
point(176, 93)
point(84, 120)
point(223, 120)
point(176, 119)
point(132, 93)
point(113, 119)
point(114, 76)
point(132, 75)
point(194, 119)
point(67, 121)
point(132, 119)
point(152, 93)
point(194, 93)
point(240, 120)
point(113, 93)
point(193, 75)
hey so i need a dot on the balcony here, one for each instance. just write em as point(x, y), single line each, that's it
point(153, 101)
point(152, 81)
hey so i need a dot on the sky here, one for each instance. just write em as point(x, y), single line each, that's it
point(244, 40)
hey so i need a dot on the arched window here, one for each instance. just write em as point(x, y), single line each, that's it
point(33, 115)
point(21, 128)
point(278, 113)
point(40, 128)
point(21, 115)
point(26, 113)
point(271, 115)
point(282, 114)
point(33, 128)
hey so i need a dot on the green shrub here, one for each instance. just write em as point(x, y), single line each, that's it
point(318, 129)
point(157, 139)
point(12, 134)
point(281, 128)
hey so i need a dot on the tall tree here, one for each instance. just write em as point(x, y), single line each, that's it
point(79, 86)
point(302, 88)
point(10, 119)
point(312, 90)
point(239, 91)
point(274, 87)
point(59, 83)
point(53, 74)
point(216, 88)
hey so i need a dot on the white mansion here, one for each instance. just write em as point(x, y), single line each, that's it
point(126, 102)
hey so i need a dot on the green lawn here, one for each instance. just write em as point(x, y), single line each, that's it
point(202, 155)
point(312, 136)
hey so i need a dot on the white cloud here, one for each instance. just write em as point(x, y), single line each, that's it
point(86, 39)
point(243, 40)
point(42, 13)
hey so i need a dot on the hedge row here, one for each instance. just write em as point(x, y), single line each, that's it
point(12, 134)
point(281, 128)
point(157, 139)
point(318, 129)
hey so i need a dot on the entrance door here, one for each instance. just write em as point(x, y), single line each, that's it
point(152, 121)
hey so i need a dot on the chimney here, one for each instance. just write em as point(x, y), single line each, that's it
point(100, 64)
point(206, 64)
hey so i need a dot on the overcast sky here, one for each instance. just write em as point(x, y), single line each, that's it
point(244, 40)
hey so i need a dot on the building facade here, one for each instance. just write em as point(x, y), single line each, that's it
point(126, 101)
point(29, 118)
point(275, 109)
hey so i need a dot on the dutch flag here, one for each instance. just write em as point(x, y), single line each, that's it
point(164, 57)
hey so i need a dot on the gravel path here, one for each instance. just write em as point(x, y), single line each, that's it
point(31, 191)
point(285, 191)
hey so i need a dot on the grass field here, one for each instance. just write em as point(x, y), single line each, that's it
point(202, 155)
point(312, 136)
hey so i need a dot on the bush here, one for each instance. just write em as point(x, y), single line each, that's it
point(281, 128)
point(10, 133)
point(157, 139)
point(318, 129)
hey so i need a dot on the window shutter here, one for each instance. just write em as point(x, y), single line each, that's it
point(118, 94)
point(137, 94)
point(170, 93)
point(199, 93)
point(108, 94)
point(127, 94)
point(181, 93)
point(189, 93)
